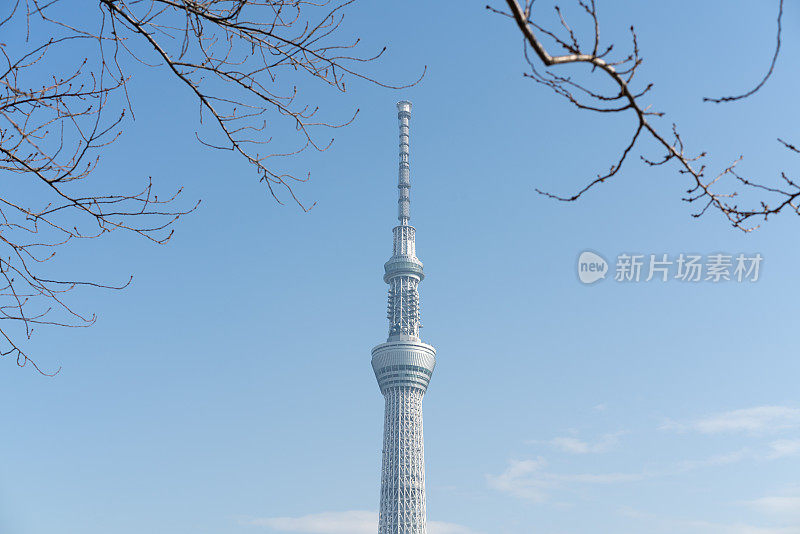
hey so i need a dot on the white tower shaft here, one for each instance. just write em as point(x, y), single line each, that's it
point(403, 366)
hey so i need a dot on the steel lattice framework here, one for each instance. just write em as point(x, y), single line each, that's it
point(403, 366)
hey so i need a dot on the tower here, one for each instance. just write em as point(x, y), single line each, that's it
point(403, 366)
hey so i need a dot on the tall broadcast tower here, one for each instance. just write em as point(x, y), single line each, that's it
point(403, 366)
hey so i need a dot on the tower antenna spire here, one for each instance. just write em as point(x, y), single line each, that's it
point(404, 172)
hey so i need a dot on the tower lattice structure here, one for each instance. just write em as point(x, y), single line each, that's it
point(403, 366)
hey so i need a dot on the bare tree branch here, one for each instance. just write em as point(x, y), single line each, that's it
point(621, 73)
point(64, 98)
point(769, 71)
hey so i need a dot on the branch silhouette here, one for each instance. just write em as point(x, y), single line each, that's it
point(65, 97)
point(590, 53)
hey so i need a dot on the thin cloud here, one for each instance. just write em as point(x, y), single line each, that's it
point(349, 522)
point(783, 447)
point(710, 527)
point(684, 526)
point(577, 446)
point(600, 478)
point(522, 479)
point(779, 506)
point(439, 527)
point(760, 419)
point(529, 479)
point(713, 461)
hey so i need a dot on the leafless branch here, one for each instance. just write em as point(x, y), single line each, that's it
point(621, 73)
point(769, 71)
point(64, 98)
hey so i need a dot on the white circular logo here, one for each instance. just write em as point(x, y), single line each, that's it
point(591, 267)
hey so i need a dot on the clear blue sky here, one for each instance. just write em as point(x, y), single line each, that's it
point(230, 385)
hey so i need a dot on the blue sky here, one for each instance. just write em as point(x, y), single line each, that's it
point(229, 389)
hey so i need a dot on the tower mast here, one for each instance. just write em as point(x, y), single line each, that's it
point(403, 366)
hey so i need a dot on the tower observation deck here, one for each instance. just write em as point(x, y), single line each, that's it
point(403, 366)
